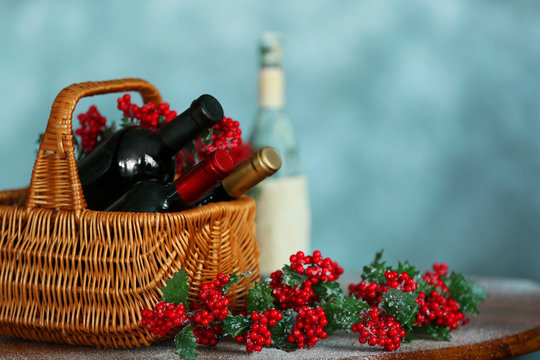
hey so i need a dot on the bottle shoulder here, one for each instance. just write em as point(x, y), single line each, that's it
point(272, 115)
point(274, 128)
point(143, 196)
point(138, 141)
point(96, 163)
point(142, 154)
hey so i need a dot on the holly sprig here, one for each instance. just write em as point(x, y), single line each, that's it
point(186, 344)
point(176, 290)
point(303, 303)
point(433, 302)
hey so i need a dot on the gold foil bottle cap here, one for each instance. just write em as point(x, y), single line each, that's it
point(263, 163)
point(266, 161)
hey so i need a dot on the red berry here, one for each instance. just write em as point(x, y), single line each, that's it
point(377, 328)
point(164, 317)
point(258, 335)
point(309, 325)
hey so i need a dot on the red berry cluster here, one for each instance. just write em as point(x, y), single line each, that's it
point(212, 305)
point(258, 334)
point(309, 327)
point(211, 309)
point(315, 267)
point(208, 335)
point(164, 317)
point(440, 310)
point(378, 328)
point(287, 297)
point(226, 135)
point(369, 292)
point(372, 292)
point(149, 115)
point(92, 126)
point(401, 281)
point(434, 277)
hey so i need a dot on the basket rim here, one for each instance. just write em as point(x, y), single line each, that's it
point(210, 207)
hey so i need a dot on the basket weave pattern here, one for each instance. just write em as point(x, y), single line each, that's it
point(77, 276)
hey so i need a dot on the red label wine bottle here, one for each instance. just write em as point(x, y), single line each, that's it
point(245, 176)
point(155, 196)
point(135, 153)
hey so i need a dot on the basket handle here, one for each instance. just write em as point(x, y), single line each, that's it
point(55, 180)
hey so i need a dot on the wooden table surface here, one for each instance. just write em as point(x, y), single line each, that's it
point(508, 326)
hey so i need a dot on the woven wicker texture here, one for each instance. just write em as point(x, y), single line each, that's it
point(77, 276)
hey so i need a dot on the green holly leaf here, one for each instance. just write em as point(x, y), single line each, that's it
point(343, 312)
point(374, 272)
point(235, 325)
point(408, 268)
point(291, 277)
point(185, 344)
point(424, 286)
point(40, 138)
point(282, 329)
point(233, 280)
point(378, 257)
point(409, 334)
point(328, 290)
point(191, 147)
point(38, 141)
point(259, 298)
point(176, 290)
point(76, 142)
point(161, 120)
point(466, 292)
point(400, 305)
point(109, 130)
point(438, 332)
point(206, 136)
point(126, 122)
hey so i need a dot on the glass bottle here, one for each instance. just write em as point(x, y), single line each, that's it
point(156, 196)
point(136, 153)
point(283, 214)
point(246, 175)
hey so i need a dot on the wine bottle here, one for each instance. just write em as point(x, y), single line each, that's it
point(245, 175)
point(135, 153)
point(283, 214)
point(156, 196)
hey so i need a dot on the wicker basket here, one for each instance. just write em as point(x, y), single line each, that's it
point(77, 276)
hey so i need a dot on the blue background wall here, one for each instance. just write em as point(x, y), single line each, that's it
point(418, 122)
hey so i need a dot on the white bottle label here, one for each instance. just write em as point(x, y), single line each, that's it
point(271, 92)
point(283, 220)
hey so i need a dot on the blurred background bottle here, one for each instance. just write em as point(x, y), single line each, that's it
point(283, 214)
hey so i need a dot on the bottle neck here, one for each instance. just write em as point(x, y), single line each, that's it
point(202, 177)
point(217, 194)
point(203, 113)
point(240, 181)
point(271, 87)
point(179, 131)
point(263, 163)
point(175, 202)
